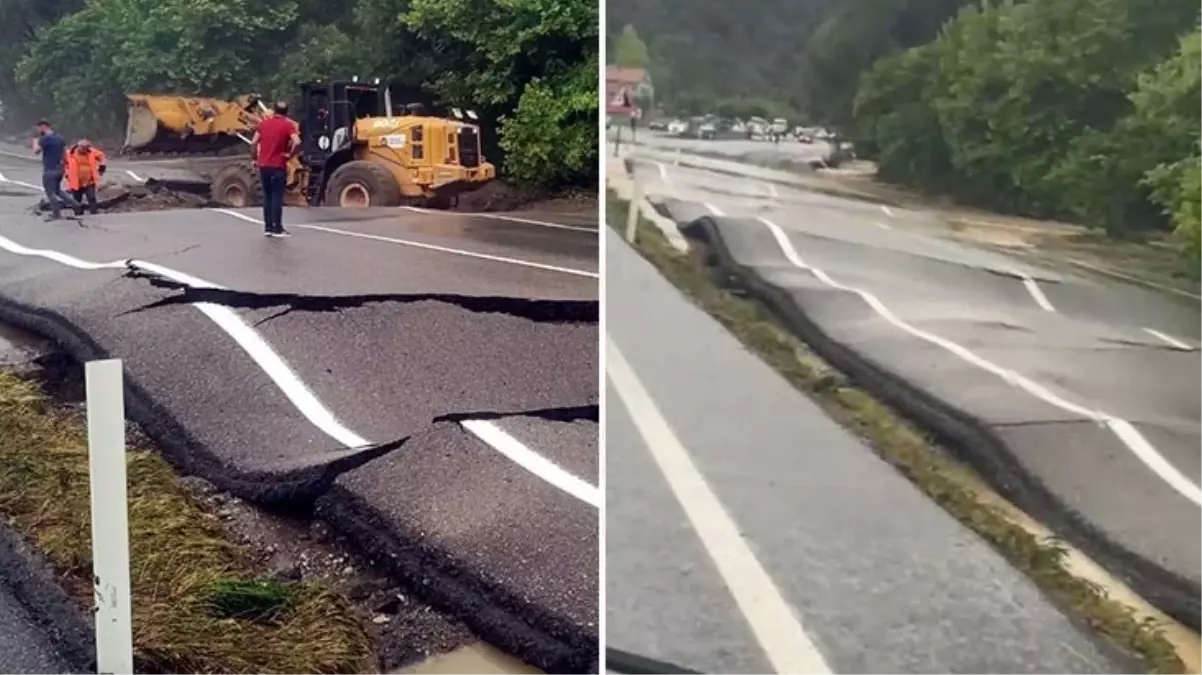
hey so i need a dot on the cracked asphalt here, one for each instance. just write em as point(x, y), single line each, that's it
point(461, 348)
point(876, 577)
point(1030, 353)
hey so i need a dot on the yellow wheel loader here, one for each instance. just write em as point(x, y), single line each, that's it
point(356, 151)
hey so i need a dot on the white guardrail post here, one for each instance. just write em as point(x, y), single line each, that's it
point(632, 215)
point(110, 517)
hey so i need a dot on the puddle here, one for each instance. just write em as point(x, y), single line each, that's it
point(473, 659)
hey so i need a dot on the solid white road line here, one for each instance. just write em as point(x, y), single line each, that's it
point(295, 389)
point(540, 466)
point(773, 622)
point(512, 219)
point(135, 176)
point(714, 210)
point(1169, 339)
point(429, 247)
point(31, 186)
point(1125, 431)
point(1035, 291)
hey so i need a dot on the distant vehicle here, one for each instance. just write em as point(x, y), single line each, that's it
point(678, 127)
point(704, 128)
point(658, 125)
point(780, 126)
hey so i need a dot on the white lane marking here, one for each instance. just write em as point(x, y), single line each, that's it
point(772, 191)
point(31, 186)
point(1169, 339)
point(287, 380)
point(540, 466)
point(775, 625)
point(888, 211)
point(431, 247)
point(232, 324)
point(512, 219)
point(1125, 431)
point(714, 210)
point(1035, 291)
point(883, 226)
point(663, 171)
point(135, 176)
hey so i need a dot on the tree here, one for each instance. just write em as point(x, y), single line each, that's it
point(630, 51)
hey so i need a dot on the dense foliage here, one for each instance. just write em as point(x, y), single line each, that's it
point(529, 66)
point(706, 54)
point(1086, 110)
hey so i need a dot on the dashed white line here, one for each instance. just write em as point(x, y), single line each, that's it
point(663, 171)
point(1035, 291)
point(888, 211)
point(1126, 432)
point(429, 247)
point(775, 625)
point(714, 210)
point(512, 219)
point(135, 176)
point(496, 438)
point(883, 226)
point(772, 191)
point(298, 392)
point(1170, 340)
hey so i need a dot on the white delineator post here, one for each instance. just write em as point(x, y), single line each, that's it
point(110, 517)
point(632, 216)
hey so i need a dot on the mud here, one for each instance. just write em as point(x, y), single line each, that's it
point(112, 198)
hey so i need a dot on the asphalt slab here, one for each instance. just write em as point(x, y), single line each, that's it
point(960, 338)
point(348, 365)
point(879, 578)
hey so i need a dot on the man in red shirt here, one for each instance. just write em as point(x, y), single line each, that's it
point(275, 141)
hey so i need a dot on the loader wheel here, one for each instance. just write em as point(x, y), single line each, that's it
point(238, 185)
point(360, 184)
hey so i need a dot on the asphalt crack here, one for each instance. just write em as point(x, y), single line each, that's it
point(534, 310)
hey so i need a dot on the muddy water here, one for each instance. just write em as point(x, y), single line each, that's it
point(473, 659)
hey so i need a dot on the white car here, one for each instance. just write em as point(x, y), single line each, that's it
point(677, 127)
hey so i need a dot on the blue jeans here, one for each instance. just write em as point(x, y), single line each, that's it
point(52, 184)
point(274, 181)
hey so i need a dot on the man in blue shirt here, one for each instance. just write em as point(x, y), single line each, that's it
point(53, 150)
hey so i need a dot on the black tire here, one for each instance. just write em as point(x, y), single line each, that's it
point(238, 179)
point(375, 184)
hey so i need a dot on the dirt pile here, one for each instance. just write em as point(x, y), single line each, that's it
point(498, 195)
point(150, 197)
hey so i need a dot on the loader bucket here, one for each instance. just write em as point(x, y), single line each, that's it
point(177, 125)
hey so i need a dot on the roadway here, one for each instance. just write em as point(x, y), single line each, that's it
point(747, 533)
point(1071, 394)
point(428, 379)
point(24, 647)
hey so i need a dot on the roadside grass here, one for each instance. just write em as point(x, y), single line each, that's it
point(941, 477)
point(197, 604)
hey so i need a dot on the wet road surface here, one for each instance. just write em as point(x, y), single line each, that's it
point(747, 532)
point(1090, 385)
point(429, 378)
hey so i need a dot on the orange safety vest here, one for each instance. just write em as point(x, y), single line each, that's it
point(82, 174)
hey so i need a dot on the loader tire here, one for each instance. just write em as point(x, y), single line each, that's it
point(238, 185)
point(360, 184)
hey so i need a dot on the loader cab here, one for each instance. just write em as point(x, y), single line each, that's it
point(329, 111)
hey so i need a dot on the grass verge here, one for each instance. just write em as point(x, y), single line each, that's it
point(943, 479)
point(197, 605)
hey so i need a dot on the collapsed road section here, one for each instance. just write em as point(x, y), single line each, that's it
point(1076, 398)
point(428, 381)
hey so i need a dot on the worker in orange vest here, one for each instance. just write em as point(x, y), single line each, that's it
point(85, 164)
